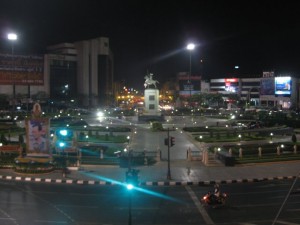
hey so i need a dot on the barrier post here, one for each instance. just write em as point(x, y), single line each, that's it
point(278, 150)
point(205, 157)
point(241, 153)
point(259, 151)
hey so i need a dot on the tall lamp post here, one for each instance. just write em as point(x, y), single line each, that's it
point(13, 37)
point(190, 47)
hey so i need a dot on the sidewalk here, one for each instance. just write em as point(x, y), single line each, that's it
point(182, 171)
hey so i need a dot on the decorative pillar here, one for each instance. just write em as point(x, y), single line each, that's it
point(259, 151)
point(241, 153)
point(278, 150)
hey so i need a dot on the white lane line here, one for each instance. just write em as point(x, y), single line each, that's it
point(200, 208)
point(50, 205)
point(14, 221)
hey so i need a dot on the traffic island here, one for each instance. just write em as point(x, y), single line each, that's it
point(34, 165)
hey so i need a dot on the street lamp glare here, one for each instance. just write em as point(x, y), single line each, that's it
point(12, 36)
point(190, 46)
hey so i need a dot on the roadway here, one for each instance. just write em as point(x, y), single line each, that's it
point(23, 203)
point(250, 203)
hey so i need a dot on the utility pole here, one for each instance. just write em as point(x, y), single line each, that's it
point(13, 37)
point(169, 141)
point(169, 170)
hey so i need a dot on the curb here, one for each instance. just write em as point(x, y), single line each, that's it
point(147, 183)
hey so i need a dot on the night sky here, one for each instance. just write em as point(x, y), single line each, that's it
point(152, 35)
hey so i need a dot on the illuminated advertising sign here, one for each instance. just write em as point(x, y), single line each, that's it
point(283, 86)
point(231, 85)
point(21, 69)
point(189, 87)
point(231, 80)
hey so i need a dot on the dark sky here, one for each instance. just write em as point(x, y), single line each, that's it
point(152, 35)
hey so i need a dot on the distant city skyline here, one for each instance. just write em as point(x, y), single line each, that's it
point(152, 36)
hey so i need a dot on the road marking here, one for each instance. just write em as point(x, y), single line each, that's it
point(49, 204)
point(200, 208)
point(8, 217)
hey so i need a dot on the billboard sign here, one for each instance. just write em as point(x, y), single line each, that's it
point(37, 136)
point(189, 87)
point(231, 85)
point(21, 70)
point(283, 86)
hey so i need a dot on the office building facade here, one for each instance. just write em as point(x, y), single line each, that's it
point(82, 70)
point(268, 91)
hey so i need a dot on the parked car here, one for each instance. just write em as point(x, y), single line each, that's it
point(255, 125)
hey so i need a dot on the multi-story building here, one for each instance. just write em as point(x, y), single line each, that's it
point(225, 86)
point(61, 72)
point(267, 91)
point(280, 91)
point(81, 70)
point(249, 90)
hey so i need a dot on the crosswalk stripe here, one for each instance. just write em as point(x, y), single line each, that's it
point(200, 208)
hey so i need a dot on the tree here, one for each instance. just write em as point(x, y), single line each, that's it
point(213, 99)
point(157, 126)
point(294, 138)
point(21, 139)
point(3, 100)
point(3, 139)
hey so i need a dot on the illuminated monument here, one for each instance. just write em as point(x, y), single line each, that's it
point(151, 100)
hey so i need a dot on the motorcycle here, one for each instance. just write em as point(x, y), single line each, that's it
point(213, 200)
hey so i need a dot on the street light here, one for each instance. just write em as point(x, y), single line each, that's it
point(190, 47)
point(13, 37)
point(131, 182)
point(271, 134)
point(240, 137)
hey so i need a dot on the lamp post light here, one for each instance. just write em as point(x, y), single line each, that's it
point(13, 37)
point(190, 47)
point(240, 137)
point(271, 134)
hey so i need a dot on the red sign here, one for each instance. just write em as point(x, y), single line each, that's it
point(231, 80)
point(21, 70)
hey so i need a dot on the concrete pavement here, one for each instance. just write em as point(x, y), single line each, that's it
point(182, 173)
